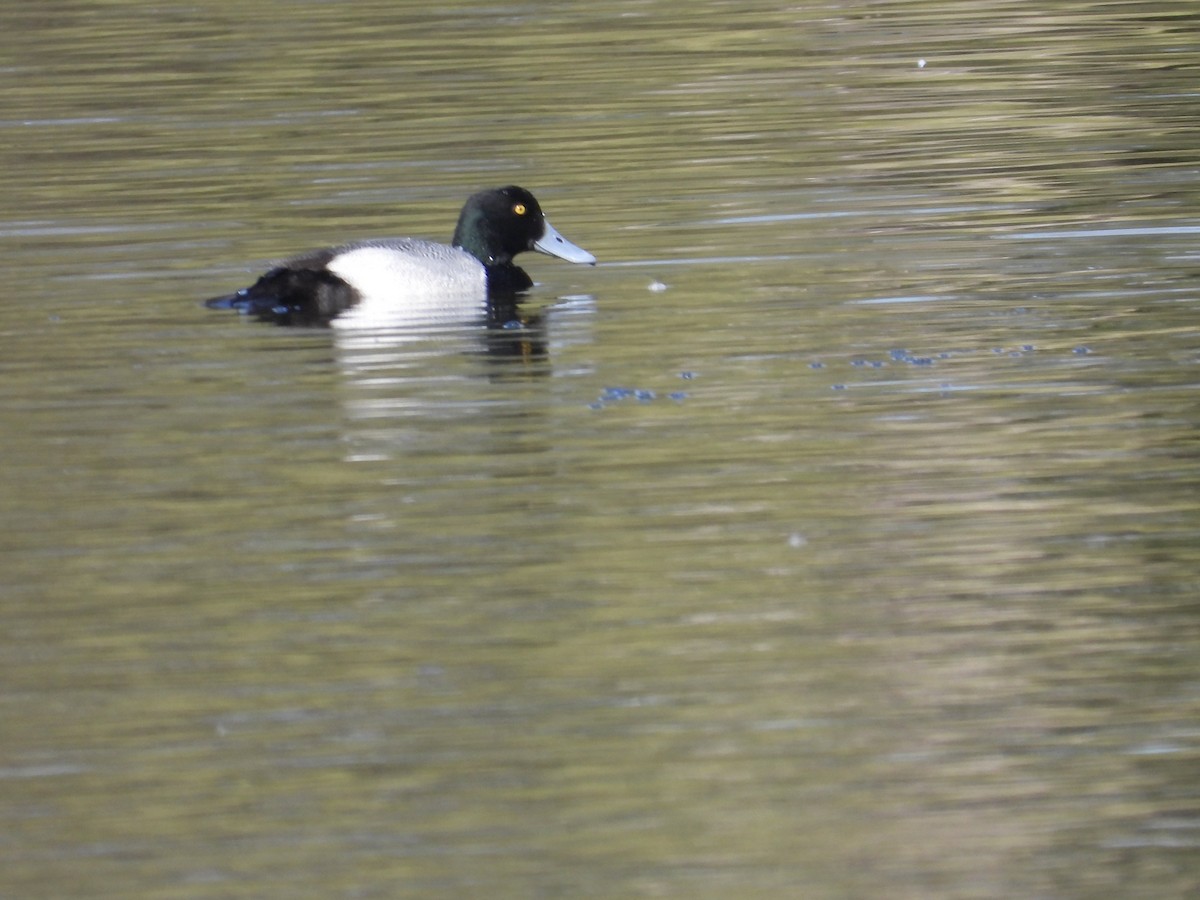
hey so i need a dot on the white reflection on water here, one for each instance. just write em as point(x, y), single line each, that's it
point(1141, 231)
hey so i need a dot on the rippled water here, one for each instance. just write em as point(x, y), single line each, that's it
point(837, 536)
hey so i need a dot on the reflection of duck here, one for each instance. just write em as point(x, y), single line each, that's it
point(384, 281)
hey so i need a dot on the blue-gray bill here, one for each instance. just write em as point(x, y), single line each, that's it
point(554, 244)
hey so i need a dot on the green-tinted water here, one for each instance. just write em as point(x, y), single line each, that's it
point(862, 560)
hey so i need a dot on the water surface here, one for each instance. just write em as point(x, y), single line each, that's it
point(837, 536)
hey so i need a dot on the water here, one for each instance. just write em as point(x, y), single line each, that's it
point(835, 537)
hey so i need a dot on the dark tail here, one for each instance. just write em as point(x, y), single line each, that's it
point(290, 297)
point(238, 301)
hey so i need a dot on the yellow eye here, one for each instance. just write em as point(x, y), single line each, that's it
point(519, 209)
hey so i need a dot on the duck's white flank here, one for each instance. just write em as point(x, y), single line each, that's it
point(408, 280)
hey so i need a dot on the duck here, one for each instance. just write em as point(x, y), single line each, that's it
point(384, 280)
